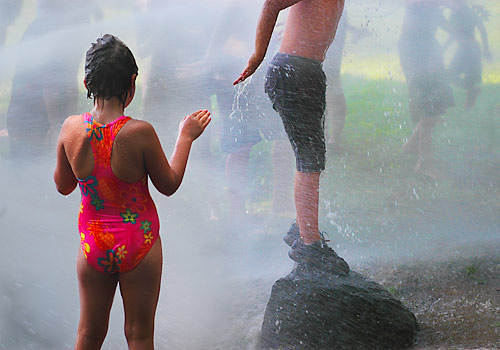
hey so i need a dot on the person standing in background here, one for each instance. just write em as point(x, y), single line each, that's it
point(9, 10)
point(247, 116)
point(465, 68)
point(336, 110)
point(430, 94)
point(45, 89)
point(169, 40)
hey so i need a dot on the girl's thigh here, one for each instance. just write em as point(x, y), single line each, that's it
point(140, 288)
point(96, 291)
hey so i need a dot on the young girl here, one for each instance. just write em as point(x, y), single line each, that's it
point(110, 156)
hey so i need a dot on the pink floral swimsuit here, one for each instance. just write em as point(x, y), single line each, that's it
point(118, 221)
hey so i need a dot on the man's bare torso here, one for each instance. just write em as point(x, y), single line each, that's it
point(310, 28)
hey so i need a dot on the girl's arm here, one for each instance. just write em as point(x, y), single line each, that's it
point(167, 177)
point(63, 175)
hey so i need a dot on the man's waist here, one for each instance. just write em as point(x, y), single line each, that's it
point(299, 58)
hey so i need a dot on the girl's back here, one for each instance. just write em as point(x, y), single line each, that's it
point(118, 222)
point(127, 154)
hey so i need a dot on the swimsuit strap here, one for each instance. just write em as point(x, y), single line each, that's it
point(102, 136)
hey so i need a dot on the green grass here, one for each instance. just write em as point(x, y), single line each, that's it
point(371, 188)
point(374, 186)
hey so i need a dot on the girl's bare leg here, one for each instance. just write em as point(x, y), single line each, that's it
point(140, 289)
point(96, 291)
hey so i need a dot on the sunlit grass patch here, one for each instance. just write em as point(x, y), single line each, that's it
point(372, 186)
point(385, 67)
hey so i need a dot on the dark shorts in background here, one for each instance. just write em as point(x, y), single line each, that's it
point(465, 68)
point(297, 86)
point(430, 94)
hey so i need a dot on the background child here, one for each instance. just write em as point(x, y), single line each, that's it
point(110, 156)
point(430, 94)
point(466, 67)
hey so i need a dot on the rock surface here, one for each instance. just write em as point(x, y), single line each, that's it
point(314, 310)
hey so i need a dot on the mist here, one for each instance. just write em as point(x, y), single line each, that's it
point(222, 231)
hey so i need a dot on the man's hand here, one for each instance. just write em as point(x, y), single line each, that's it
point(252, 65)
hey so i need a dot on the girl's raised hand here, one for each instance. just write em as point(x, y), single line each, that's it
point(193, 125)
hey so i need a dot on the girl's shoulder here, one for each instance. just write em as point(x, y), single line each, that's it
point(74, 118)
point(72, 124)
point(137, 132)
point(139, 127)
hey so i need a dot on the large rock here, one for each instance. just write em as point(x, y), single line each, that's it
point(315, 310)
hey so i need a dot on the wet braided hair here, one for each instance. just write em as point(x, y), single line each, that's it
point(109, 66)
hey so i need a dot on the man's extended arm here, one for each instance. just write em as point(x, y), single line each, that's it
point(265, 27)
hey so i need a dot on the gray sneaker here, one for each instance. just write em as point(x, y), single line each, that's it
point(292, 235)
point(318, 254)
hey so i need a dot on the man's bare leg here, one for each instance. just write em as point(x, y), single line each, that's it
point(307, 204)
point(310, 248)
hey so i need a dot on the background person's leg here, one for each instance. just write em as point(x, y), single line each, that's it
point(237, 179)
point(425, 160)
point(336, 114)
point(283, 166)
